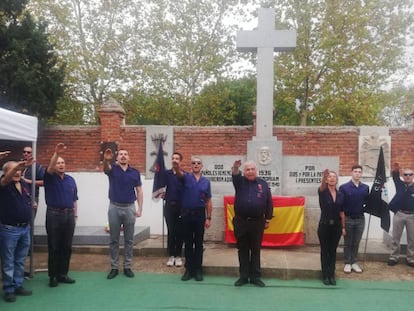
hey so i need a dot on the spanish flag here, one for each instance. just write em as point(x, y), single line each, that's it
point(286, 227)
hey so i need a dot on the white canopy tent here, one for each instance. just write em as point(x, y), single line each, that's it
point(17, 126)
point(20, 127)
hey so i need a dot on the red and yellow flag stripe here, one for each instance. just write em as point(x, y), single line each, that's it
point(286, 227)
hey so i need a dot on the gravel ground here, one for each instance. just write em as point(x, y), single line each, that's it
point(374, 271)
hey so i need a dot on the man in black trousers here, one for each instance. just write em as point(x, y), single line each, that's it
point(61, 196)
point(253, 208)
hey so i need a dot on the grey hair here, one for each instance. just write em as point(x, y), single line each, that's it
point(6, 166)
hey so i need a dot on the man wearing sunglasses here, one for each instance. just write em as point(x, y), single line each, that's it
point(196, 207)
point(27, 174)
point(402, 204)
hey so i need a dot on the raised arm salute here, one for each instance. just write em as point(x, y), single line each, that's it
point(125, 188)
point(15, 216)
point(61, 195)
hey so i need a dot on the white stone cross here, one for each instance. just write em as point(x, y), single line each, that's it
point(265, 40)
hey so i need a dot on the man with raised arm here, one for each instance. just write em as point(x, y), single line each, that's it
point(61, 195)
point(125, 188)
point(15, 216)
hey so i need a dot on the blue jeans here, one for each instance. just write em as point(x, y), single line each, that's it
point(14, 247)
point(354, 230)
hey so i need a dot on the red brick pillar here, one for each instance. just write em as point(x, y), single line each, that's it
point(112, 117)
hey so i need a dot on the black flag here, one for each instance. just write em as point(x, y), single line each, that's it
point(376, 205)
point(160, 178)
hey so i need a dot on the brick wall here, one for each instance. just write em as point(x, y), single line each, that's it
point(84, 142)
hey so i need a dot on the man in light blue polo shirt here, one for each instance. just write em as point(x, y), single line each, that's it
point(124, 189)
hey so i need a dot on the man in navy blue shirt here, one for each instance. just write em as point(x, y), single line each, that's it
point(253, 209)
point(402, 204)
point(27, 174)
point(172, 212)
point(125, 188)
point(355, 198)
point(61, 195)
point(15, 216)
point(196, 208)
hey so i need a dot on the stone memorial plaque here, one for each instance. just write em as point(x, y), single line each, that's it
point(218, 170)
point(302, 175)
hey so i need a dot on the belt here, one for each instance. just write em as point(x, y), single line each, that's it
point(354, 216)
point(121, 204)
point(21, 224)
point(193, 212)
point(173, 203)
point(60, 210)
point(251, 218)
point(406, 212)
point(330, 222)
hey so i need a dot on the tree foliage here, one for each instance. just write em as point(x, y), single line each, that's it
point(346, 52)
point(30, 79)
point(95, 39)
point(399, 106)
point(161, 48)
point(158, 56)
point(227, 102)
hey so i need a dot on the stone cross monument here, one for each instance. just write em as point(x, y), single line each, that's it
point(264, 149)
point(265, 41)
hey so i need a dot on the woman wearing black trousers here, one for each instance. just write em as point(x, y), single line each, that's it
point(331, 224)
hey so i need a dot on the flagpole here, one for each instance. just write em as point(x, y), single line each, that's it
point(162, 224)
point(366, 242)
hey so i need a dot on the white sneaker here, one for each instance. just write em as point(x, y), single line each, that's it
point(170, 261)
point(178, 262)
point(347, 268)
point(356, 268)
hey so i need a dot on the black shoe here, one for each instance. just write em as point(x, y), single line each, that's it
point(53, 282)
point(128, 273)
point(186, 276)
point(326, 281)
point(199, 276)
point(65, 279)
point(113, 273)
point(257, 282)
point(26, 275)
point(20, 291)
point(332, 280)
point(9, 297)
point(392, 262)
point(241, 282)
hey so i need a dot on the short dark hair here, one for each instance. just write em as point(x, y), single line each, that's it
point(179, 155)
point(355, 167)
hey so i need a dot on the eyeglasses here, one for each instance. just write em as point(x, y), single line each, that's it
point(196, 162)
point(408, 174)
point(29, 152)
